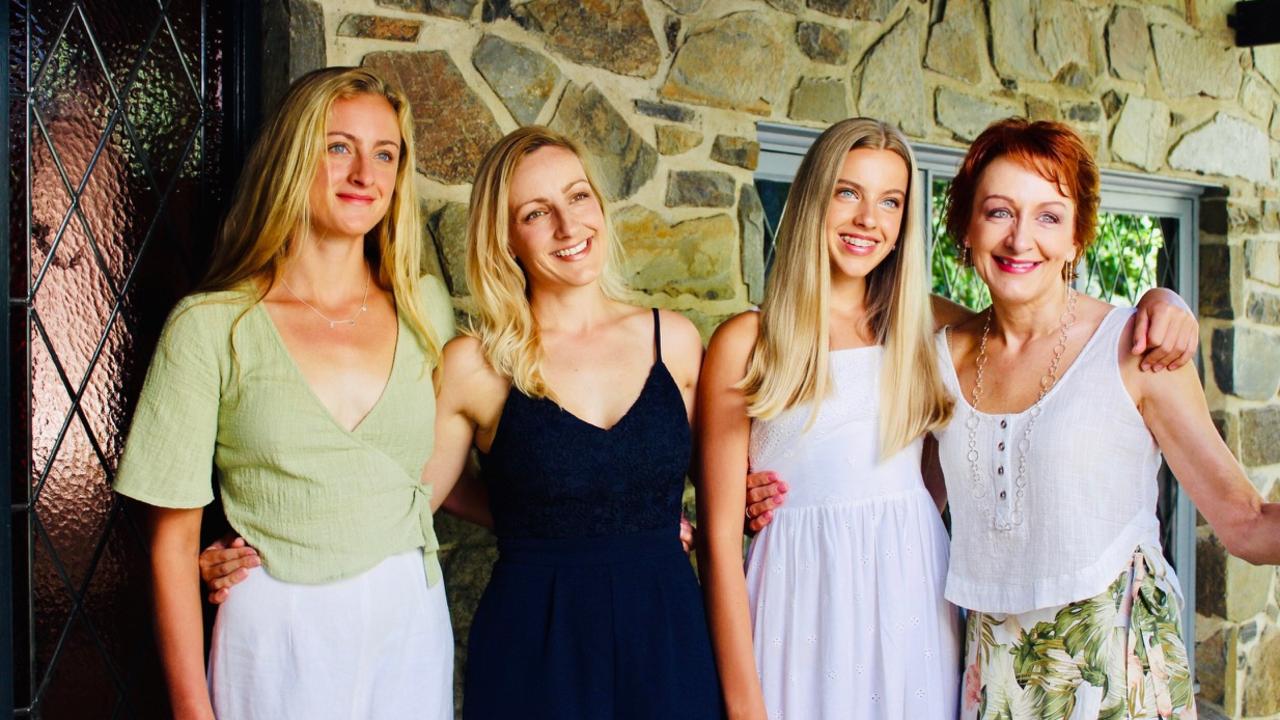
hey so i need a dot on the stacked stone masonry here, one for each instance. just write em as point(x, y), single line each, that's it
point(666, 95)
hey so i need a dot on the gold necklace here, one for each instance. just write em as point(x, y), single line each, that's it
point(977, 487)
point(349, 322)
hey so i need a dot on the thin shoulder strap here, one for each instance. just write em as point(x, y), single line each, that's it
point(657, 336)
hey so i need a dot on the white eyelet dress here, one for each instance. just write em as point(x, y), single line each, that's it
point(1073, 610)
point(845, 584)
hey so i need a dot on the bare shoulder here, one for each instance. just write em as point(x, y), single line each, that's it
point(735, 339)
point(679, 333)
point(946, 312)
point(465, 367)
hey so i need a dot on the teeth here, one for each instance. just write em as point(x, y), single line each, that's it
point(573, 250)
point(857, 241)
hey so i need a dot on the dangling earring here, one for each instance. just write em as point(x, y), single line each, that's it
point(1069, 271)
point(964, 256)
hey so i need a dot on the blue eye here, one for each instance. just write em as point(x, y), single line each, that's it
point(845, 193)
point(1049, 218)
point(891, 203)
point(385, 156)
point(338, 148)
point(1000, 214)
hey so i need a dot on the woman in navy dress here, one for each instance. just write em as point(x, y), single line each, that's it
point(579, 404)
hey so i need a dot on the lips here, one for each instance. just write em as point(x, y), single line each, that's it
point(857, 244)
point(355, 198)
point(1016, 267)
point(574, 252)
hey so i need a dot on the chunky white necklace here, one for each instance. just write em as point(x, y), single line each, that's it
point(349, 322)
point(977, 486)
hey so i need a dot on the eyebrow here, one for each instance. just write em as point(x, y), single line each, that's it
point(857, 186)
point(1011, 201)
point(353, 138)
point(543, 199)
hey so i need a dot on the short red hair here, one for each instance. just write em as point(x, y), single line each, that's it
point(1051, 149)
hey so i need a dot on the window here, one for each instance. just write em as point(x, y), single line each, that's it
point(1147, 238)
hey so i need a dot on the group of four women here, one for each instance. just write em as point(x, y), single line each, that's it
point(320, 377)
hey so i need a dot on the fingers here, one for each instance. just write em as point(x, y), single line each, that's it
point(761, 479)
point(1175, 349)
point(216, 564)
point(1140, 333)
point(686, 534)
point(758, 493)
point(225, 581)
point(217, 597)
point(758, 523)
point(755, 510)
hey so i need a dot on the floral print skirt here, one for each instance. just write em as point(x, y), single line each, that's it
point(1116, 656)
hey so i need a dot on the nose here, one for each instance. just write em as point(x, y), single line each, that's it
point(567, 224)
point(360, 171)
point(1019, 238)
point(865, 216)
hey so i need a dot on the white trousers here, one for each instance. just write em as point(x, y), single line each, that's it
point(377, 646)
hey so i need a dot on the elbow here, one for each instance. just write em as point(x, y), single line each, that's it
point(1247, 543)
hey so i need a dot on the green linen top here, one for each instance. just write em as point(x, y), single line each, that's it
point(318, 503)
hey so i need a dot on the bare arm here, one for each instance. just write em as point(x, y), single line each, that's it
point(723, 431)
point(454, 427)
point(470, 499)
point(1174, 408)
point(931, 469)
point(175, 540)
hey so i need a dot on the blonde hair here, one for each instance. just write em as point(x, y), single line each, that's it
point(270, 208)
point(789, 364)
point(503, 322)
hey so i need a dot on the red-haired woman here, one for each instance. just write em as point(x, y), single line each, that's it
point(1051, 461)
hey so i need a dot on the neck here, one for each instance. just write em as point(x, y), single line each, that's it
point(329, 271)
point(1023, 321)
point(568, 309)
point(848, 294)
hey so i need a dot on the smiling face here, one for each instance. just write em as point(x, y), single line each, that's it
point(556, 221)
point(1021, 232)
point(866, 211)
point(354, 183)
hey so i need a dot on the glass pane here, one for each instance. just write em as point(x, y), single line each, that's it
point(773, 196)
point(119, 179)
point(951, 280)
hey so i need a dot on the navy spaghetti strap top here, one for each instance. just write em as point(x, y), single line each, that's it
point(551, 474)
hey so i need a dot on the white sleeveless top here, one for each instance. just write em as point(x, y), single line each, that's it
point(1090, 494)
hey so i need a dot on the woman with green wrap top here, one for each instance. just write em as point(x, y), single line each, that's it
point(302, 373)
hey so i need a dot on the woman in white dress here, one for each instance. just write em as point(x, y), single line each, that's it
point(843, 592)
point(832, 386)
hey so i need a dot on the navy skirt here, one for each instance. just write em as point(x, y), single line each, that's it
point(591, 629)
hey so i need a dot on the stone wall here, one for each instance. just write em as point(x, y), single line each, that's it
point(666, 95)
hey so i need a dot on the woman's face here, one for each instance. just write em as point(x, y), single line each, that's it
point(353, 185)
point(865, 211)
point(1021, 232)
point(556, 223)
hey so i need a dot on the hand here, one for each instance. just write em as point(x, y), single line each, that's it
point(1165, 332)
point(686, 534)
point(765, 491)
point(224, 563)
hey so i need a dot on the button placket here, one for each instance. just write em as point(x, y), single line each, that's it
point(1000, 474)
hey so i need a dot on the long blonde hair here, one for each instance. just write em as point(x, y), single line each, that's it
point(504, 322)
point(270, 208)
point(789, 365)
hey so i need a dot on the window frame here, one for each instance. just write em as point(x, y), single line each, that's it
point(783, 146)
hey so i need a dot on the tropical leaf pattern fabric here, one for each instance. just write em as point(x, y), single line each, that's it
point(1116, 656)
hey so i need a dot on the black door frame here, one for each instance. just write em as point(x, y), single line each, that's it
point(242, 111)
